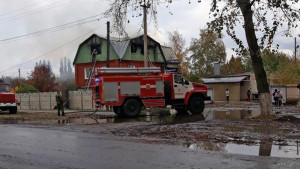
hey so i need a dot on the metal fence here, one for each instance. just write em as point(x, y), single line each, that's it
point(80, 100)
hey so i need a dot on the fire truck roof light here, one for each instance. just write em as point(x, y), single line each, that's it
point(171, 71)
point(98, 80)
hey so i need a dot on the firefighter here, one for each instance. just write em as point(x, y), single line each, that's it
point(59, 104)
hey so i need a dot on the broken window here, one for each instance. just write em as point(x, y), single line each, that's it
point(97, 48)
point(133, 48)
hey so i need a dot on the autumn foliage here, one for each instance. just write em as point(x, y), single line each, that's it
point(177, 44)
point(42, 78)
point(206, 50)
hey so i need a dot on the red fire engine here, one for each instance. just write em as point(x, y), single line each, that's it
point(8, 100)
point(128, 90)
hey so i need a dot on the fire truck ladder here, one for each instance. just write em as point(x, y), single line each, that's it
point(149, 62)
point(92, 71)
point(140, 70)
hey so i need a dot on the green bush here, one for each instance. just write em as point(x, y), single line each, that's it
point(26, 88)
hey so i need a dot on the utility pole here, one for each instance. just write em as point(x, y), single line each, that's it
point(145, 35)
point(295, 50)
point(108, 43)
point(19, 73)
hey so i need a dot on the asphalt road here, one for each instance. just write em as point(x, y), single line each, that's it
point(30, 147)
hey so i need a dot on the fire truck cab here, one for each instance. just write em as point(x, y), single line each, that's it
point(8, 100)
point(128, 90)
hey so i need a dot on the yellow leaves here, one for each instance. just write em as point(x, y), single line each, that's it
point(289, 73)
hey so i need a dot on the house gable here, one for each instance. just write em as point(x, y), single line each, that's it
point(84, 52)
point(155, 53)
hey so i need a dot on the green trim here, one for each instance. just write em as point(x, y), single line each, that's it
point(83, 54)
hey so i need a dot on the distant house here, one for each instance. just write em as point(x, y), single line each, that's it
point(237, 84)
point(123, 53)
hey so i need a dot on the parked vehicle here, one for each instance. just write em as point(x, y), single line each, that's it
point(128, 90)
point(8, 100)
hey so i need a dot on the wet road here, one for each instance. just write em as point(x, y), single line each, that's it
point(35, 148)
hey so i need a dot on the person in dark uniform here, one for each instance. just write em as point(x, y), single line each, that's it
point(276, 95)
point(59, 104)
point(249, 94)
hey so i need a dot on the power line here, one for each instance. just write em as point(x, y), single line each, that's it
point(52, 29)
point(51, 50)
point(22, 8)
point(59, 3)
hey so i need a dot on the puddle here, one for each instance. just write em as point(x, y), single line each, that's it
point(230, 114)
point(166, 118)
point(287, 149)
point(272, 149)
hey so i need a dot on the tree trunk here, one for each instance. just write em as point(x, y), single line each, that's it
point(258, 67)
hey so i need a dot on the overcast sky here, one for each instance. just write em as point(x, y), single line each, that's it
point(20, 17)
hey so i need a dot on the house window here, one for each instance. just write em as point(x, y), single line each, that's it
point(142, 50)
point(87, 72)
point(133, 48)
point(97, 48)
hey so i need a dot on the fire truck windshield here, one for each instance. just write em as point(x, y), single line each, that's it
point(4, 88)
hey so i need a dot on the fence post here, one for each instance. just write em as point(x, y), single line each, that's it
point(50, 100)
point(29, 101)
point(40, 101)
point(81, 100)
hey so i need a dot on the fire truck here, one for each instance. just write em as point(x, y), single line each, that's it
point(8, 100)
point(128, 90)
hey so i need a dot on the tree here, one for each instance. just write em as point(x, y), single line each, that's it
point(61, 67)
point(177, 44)
point(67, 84)
point(272, 60)
point(16, 83)
point(69, 70)
point(206, 50)
point(233, 66)
point(269, 15)
point(42, 79)
point(49, 65)
point(231, 15)
point(65, 68)
point(281, 68)
point(287, 73)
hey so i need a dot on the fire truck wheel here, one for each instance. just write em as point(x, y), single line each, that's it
point(132, 108)
point(196, 105)
point(117, 110)
point(13, 110)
